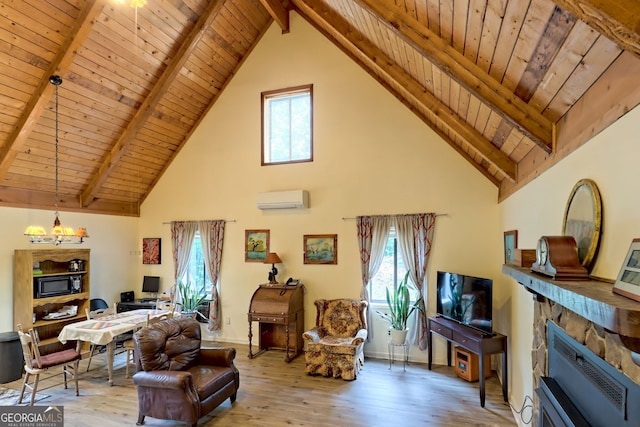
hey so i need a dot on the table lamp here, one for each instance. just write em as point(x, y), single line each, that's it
point(272, 258)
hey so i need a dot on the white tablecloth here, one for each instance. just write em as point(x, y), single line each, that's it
point(103, 330)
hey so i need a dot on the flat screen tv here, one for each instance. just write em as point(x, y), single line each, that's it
point(465, 299)
point(151, 284)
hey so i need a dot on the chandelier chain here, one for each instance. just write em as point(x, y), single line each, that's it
point(59, 233)
point(57, 198)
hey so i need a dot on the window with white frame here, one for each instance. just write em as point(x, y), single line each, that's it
point(390, 274)
point(196, 273)
point(287, 125)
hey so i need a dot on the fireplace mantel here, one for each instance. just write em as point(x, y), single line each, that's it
point(592, 299)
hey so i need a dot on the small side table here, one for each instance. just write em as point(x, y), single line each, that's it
point(391, 346)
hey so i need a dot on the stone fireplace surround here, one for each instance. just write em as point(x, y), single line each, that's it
point(603, 344)
point(588, 312)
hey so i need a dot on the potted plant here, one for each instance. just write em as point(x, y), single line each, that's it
point(400, 309)
point(191, 299)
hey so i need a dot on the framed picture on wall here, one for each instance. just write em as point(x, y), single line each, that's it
point(256, 245)
point(151, 253)
point(320, 248)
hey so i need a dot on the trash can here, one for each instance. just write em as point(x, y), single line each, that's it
point(10, 357)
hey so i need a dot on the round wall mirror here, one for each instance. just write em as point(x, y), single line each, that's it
point(582, 220)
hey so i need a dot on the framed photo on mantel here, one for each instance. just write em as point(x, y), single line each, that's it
point(510, 245)
point(628, 283)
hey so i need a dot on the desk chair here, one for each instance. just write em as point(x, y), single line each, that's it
point(35, 364)
point(97, 303)
point(166, 305)
point(96, 314)
point(129, 345)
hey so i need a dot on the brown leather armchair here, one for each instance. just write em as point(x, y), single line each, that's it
point(176, 379)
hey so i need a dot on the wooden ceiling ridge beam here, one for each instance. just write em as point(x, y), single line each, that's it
point(42, 94)
point(278, 12)
point(147, 107)
point(345, 33)
point(619, 20)
point(470, 76)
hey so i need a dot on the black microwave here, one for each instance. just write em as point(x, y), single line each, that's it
point(51, 286)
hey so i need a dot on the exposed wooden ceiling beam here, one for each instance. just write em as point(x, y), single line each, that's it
point(45, 200)
point(278, 12)
point(147, 107)
point(343, 33)
point(502, 100)
point(40, 98)
point(203, 115)
point(619, 20)
point(613, 97)
point(403, 99)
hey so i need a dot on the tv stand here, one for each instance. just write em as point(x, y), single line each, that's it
point(477, 342)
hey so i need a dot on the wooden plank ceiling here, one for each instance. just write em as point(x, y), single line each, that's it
point(509, 84)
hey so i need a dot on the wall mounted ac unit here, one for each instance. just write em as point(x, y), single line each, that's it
point(294, 199)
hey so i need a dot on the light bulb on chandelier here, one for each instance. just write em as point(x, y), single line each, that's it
point(59, 234)
point(135, 3)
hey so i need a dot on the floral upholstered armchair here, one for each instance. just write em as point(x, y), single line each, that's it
point(335, 346)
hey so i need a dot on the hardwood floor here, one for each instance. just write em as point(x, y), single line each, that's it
point(275, 393)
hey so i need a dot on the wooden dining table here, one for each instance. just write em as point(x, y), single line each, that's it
point(103, 331)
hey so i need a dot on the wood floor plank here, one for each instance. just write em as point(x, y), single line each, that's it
point(275, 393)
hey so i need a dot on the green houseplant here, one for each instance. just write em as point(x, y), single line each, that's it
point(400, 310)
point(191, 299)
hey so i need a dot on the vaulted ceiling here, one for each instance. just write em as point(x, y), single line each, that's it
point(512, 85)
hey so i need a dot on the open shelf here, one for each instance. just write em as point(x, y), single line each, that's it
point(60, 299)
point(61, 273)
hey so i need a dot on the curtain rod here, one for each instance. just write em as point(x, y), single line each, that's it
point(226, 220)
point(346, 218)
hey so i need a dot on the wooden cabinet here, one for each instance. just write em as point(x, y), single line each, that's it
point(29, 310)
point(279, 311)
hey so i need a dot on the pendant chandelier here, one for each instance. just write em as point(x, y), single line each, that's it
point(59, 233)
point(135, 3)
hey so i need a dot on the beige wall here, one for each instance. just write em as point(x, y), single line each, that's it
point(114, 244)
point(538, 209)
point(372, 156)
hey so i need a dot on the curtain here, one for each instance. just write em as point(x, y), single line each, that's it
point(212, 236)
point(373, 233)
point(415, 237)
point(182, 235)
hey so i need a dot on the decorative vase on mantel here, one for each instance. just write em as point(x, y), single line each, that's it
point(398, 337)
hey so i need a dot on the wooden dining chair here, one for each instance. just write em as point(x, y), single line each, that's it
point(129, 344)
point(96, 314)
point(36, 364)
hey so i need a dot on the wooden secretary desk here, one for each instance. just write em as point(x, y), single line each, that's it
point(279, 311)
